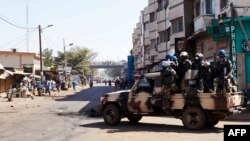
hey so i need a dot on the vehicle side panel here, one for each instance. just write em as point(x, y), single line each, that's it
point(207, 101)
point(139, 103)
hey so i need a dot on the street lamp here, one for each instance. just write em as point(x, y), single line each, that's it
point(40, 46)
point(65, 54)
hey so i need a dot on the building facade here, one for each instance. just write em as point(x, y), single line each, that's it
point(20, 60)
point(172, 26)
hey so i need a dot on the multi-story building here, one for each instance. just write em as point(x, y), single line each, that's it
point(164, 24)
point(204, 11)
point(172, 26)
point(151, 36)
point(137, 49)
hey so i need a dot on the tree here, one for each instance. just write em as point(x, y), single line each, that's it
point(113, 72)
point(48, 58)
point(78, 58)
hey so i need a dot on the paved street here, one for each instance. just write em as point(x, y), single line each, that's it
point(66, 118)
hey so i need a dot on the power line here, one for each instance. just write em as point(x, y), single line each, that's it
point(49, 41)
point(15, 25)
point(13, 39)
point(20, 41)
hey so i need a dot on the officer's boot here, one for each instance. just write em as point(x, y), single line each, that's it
point(215, 90)
point(215, 85)
point(200, 86)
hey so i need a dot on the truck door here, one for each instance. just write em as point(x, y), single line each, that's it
point(139, 98)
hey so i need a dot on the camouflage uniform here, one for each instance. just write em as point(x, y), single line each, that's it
point(168, 76)
point(224, 80)
point(183, 67)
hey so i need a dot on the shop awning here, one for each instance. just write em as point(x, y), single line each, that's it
point(6, 74)
point(21, 73)
point(36, 76)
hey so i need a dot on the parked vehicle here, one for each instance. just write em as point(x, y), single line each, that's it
point(196, 110)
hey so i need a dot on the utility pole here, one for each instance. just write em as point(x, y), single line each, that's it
point(27, 25)
point(40, 47)
point(65, 55)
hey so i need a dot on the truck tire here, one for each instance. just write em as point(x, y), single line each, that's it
point(212, 123)
point(112, 115)
point(134, 118)
point(194, 118)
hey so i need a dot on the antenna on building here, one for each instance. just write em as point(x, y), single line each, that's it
point(27, 25)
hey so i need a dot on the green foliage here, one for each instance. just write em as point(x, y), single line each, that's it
point(59, 60)
point(78, 58)
point(48, 58)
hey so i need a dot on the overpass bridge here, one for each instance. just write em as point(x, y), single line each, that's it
point(106, 65)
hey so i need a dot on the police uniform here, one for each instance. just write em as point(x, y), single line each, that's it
point(168, 76)
point(183, 67)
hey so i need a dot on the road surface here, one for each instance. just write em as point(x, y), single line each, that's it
point(70, 118)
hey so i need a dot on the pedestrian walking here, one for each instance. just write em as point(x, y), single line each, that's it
point(74, 84)
point(48, 87)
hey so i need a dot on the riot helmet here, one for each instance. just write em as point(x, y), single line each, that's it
point(168, 57)
point(183, 56)
point(174, 58)
point(221, 53)
point(198, 57)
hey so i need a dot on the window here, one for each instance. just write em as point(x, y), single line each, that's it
point(145, 26)
point(223, 3)
point(197, 8)
point(152, 44)
point(209, 9)
point(144, 86)
point(162, 36)
point(162, 4)
point(177, 25)
point(168, 34)
point(147, 49)
point(152, 17)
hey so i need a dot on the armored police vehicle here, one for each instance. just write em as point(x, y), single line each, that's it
point(196, 110)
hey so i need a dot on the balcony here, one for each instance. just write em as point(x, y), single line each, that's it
point(161, 15)
point(152, 8)
point(152, 26)
point(153, 35)
point(151, 1)
point(161, 56)
point(146, 34)
point(139, 66)
point(146, 18)
point(153, 52)
point(201, 22)
point(161, 26)
point(162, 46)
point(147, 62)
point(147, 41)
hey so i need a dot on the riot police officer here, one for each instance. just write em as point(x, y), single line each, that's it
point(198, 70)
point(184, 65)
point(172, 59)
point(223, 72)
point(208, 76)
point(168, 76)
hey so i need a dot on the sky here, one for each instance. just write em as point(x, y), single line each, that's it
point(104, 26)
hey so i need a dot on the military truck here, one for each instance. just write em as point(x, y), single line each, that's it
point(196, 110)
